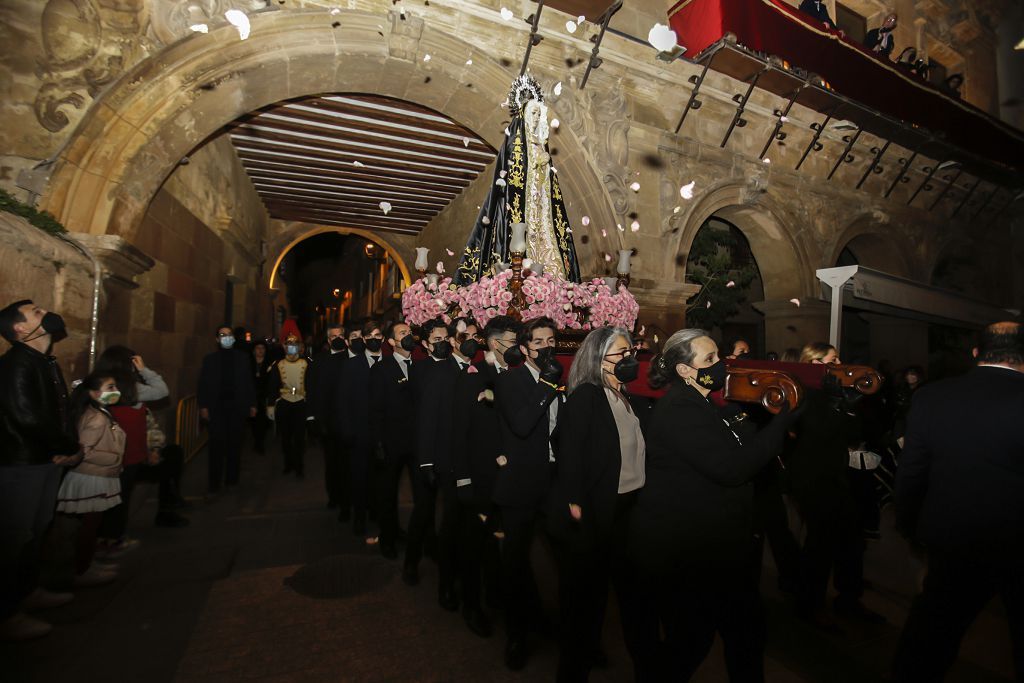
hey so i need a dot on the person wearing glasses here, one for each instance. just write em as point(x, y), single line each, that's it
point(600, 454)
point(226, 398)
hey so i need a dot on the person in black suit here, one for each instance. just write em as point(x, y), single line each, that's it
point(600, 452)
point(323, 379)
point(818, 10)
point(476, 451)
point(260, 373)
point(392, 416)
point(528, 400)
point(960, 493)
point(692, 531)
point(226, 398)
point(353, 395)
point(880, 39)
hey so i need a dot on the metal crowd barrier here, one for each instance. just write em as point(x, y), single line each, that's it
point(187, 433)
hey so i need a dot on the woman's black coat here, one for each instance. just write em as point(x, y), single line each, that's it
point(695, 512)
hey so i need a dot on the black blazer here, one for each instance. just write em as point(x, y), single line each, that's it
point(353, 396)
point(523, 408)
point(695, 511)
point(874, 37)
point(818, 460)
point(392, 408)
point(476, 443)
point(435, 415)
point(960, 480)
point(589, 464)
point(322, 395)
point(226, 386)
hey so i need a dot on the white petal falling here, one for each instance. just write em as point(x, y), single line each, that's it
point(570, 26)
point(426, 58)
point(385, 207)
point(449, 251)
point(795, 301)
point(358, 163)
point(240, 21)
point(506, 14)
point(708, 305)
point(580, 19)
point(730, 283)
point(635, 186)
point(440, 267)
point(662, 38)
point(604, 233)
point(501, 174)
point(199, 28)
point(500, 182)
point(485, 220)
point(607, 257)
point(465, 142)
point(507, 134)
point(635, 226)
point(784, 118)
point(767, 160)
point(686, 191)
point(677, 209)
point(585, 221)
point(335, 12)
point(469, 62)
point(555, 123)
point(619, 226)
point(558, 88)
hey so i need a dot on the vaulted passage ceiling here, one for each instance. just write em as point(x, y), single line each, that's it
point(334, 159)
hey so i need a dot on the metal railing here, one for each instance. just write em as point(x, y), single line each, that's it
point(187, 433)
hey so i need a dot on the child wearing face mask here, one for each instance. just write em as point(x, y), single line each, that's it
point(93, 486)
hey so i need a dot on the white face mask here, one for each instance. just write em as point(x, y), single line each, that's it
point(109, 398)
point(291, 350)
point(227, 342)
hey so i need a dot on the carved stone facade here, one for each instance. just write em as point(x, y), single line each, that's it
point(104, 99)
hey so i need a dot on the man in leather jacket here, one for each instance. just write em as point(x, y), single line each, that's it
point(35, 442)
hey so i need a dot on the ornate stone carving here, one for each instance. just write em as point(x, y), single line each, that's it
point(171, 20)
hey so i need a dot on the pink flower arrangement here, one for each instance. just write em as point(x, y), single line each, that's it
point(545, 295)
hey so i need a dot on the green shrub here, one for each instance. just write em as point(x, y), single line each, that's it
point(43, 220)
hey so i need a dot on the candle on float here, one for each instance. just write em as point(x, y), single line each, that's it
point(612, 283)
point(537, 268)
point(624, 256)
point(422, 258)
point(518, 243)
point(432, 278)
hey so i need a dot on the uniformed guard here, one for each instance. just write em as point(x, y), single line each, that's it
point(287, 404)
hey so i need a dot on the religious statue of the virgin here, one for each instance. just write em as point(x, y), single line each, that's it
point(524, 190)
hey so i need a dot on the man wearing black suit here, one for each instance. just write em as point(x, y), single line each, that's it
point(477, 448)
point(527, 398)
point(353, 394)
point(960, 493)
point(392, 416)
point(226, 398)
point(322, 380)
point(818, 10)
point(880, 39)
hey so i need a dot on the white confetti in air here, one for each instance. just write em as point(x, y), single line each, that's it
point(499, 182)
point(506, 14)
point(357, 163)
point(335, 12)
point(677, 209)
point(554, 170)
point(465, 142)
point(555, 123)
point(507, 134)
point(239, 20)
point(570, 26)
point(200, 28)
point(440, 267)
point(607, 257)
point(708, 305)
point(641, 332)
point(501, 174)
point(635, 226)
point(485, 220)
point(385, 207)
point(460, 326)
point(795, 301)
point(635, 186)
point(426, 58)
point(783, 118)
point(585, 221)
point(449, 251)
point(558, 88)
point(655, 339)
point(730, 283)
point(604, 233)
point(662, 38)
point(686, 191)
point(580, 19)
point(767, 160)
point(619, 226)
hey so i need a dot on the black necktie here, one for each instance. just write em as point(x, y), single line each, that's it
point(373, 360)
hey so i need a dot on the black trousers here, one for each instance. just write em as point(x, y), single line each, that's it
point(772, 521)
point(956, 589)
point(421, 535)
point(167, 474)
point(834, 545)
point(291, 425)
point(28, 496)
point(224, 451)
point(522, 598)
point(460, 544)
point(387, 477)
point(259, 425)
point(358, 449)
point(337, 470)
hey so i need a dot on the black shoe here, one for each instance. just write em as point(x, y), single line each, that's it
point(477, 622)
point(515, 655)
point(388, 551)
point(171, 519)
point(410, 575)
point(855, 609)
point(448, 599)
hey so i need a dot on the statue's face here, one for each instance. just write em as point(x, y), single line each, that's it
point(532, 116)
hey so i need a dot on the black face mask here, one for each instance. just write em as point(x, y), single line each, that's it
point(51, 324)
point(408, 343)
point(356, 345)
point(712, 377)
point(469, 347)
point(513, 356)
point(627, 369)
point(373, 345)
point(338, 344)
point(442, 349)
point(544, 355)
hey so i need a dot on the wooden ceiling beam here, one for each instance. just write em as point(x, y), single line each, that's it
point(343, 171)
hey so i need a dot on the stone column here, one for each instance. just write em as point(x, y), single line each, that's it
point(662, 303)
point(787, 325)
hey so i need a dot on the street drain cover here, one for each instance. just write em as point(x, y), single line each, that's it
point(341, 576)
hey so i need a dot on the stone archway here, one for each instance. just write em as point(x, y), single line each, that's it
point(872, 247)
point(171, 103)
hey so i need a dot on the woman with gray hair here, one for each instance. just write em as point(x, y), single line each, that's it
point(600, 451)
point(692, 534)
